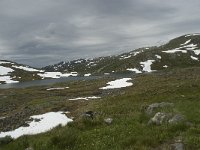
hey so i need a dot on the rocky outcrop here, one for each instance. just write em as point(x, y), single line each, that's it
point(176, 119)
point(159, 118)
point(151, 108)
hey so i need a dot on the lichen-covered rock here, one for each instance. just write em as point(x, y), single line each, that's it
point(29, 148)
point(159, 118)
point(108, 120)
point(176, 119)
point(177, 146)
point(150, 109)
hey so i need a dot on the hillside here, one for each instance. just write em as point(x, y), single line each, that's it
point(180, 52)
point(157, 109)
point(11, 72)
point(177, 91)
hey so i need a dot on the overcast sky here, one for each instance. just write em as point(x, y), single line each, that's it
point(43, 32)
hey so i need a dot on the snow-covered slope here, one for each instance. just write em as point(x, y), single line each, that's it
point(183, 51)
point(11, 72)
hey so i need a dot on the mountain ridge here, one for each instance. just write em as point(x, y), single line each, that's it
point(179, 52)
point(189, 43)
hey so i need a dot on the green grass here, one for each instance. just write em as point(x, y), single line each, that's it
point(129, 129)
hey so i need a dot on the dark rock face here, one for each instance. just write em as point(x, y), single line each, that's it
point(89, 114)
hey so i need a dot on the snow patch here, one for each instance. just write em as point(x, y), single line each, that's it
point(194, 58)
point(87, 75)
point(5, 62)
point(56, 74)
point(7, 79)
point(174, 51)
point(165, 66)
point(5, 70)
point(192, 34)
point(78, 61)
point(158, 56)
point(47, 122)
point(106, 73)
point(84, 98)
point(124, 57)
point(185, 48)
point(197, 52)
point(188, 41)
point(119, 83)
point(147, 65)
point(134, 70)
point(136, 53)
point(26, 68)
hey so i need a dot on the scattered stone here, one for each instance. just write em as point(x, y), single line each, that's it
point(159, 118)
point(176, 119)
point(150, 109)
point(29, 148)
point(108, 120)
point(25, 125)
point(89, 114)
point(177, 146)
point(1, 118)
point(37, 120)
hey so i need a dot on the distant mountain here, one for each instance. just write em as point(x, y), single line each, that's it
point(11, 72)
point(180, 52)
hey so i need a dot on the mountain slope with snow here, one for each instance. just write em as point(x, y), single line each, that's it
point(180, 52)
point(183, 51)
point(11, 72)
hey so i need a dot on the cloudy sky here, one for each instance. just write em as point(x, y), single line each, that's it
point(43, 32)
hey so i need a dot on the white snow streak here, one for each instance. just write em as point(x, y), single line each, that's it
point(119, 83)
point(134, 70)
point(84, 98)
point(147, 65)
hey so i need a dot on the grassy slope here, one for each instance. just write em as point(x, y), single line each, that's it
point(115, 63)
point(129, 129)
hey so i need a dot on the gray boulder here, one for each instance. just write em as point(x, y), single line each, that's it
point(151, 108)
point(176, 119)
point(29, 148)
point(177, 146)
point(159, 118)
point(108, 120)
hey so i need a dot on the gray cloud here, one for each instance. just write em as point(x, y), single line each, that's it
point(43, 32)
